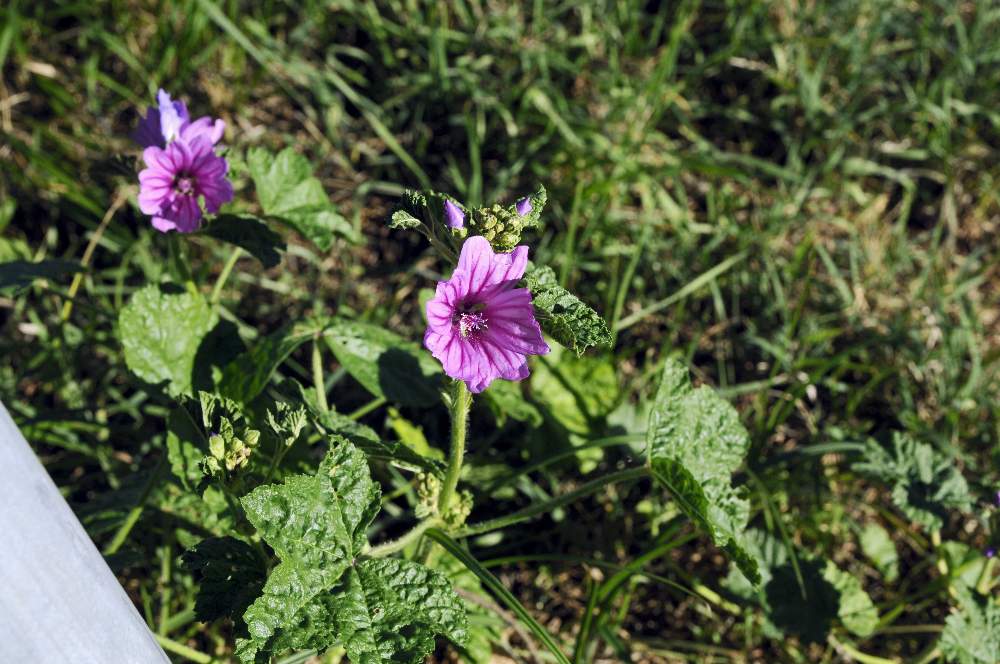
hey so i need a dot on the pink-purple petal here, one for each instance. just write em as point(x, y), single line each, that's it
point(483, 288)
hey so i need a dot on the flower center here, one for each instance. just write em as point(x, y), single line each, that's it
point(184, 185)
point(471, 323)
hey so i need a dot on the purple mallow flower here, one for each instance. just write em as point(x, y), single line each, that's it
point(523, 206)
point(171, 121)
point(453, 215)
point(176, 178)
point(480, 325)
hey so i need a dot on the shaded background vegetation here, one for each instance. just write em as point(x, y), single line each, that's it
point(798, 198)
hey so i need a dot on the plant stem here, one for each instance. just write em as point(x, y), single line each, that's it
point(224, 275)
point(182, 650)
point(540, 508)
point(320, 383)
point(367, 408)
point(392, 546)
point(461, 400)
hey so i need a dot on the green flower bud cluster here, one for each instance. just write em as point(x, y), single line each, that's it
point(229, 450)
point(502, 226)
point(428, 488)
point(459, 510)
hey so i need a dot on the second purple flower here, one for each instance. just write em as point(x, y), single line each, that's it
point(480, 325)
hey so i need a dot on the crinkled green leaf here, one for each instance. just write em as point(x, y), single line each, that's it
point(386, 364)
point(695, 442)
point(288, 191)
point(416, 209)
point(403, 220)
point(249, 233)
point(926, 485)
point(161, 332)
point(229, 575)
point(562, 315)
point(383, 610)
point(287, 422)
point(18, 274)
point(316, 526)
point(878, 546)
point(247, 375)
point(324, 592)
point(972, 634)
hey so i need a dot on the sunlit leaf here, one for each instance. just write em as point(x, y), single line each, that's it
point(161, 330)
point(695, 443)
point(562, 315)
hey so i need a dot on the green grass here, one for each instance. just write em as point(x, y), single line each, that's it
point(800, 199)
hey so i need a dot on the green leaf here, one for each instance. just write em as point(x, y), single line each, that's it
point(247, 375)
point(505, 399)
point(576, 394)
point(926, 485)
point(386, 364)
point(965, 564)
point(562, 315)
point(695, 443)
point(804, 601)
point(18, 274)
point(161, 331)
point(314, 524)
point(383, 610)
point(229, 576)
point(972, 634)
point(287, 422)
point(186, 447)
point(412, 435)
point(877, 545)
point(324, 592)
point(854, 607)
point(288, 191)
point(249, 233)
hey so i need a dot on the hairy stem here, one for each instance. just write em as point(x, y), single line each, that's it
point(461, 400)
point(317, 368)
point(392, 546)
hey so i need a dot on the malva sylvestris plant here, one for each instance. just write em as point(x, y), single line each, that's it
point(288, 559)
